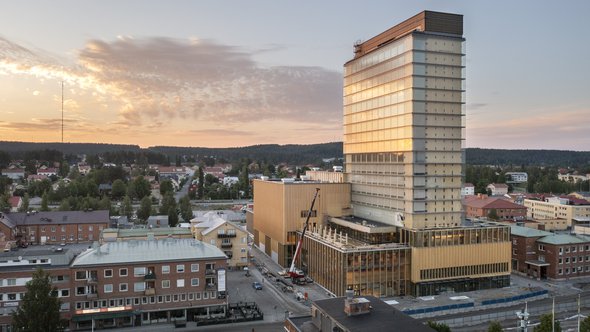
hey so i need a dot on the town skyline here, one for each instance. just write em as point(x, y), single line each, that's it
point(229, 74)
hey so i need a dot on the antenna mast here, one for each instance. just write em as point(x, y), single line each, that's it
point(62, 111)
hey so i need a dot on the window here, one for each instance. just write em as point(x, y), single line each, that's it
point(11, 282)
point(195, 282)
point(108, 288)
point(195, 267)
point(63, 228)
point(81, 290)
point(191, 296)
point(80, 275)
point(122, 287)
point(123, 272)
point(43, 229)
point(180, 283)
point(560, 261)
point(139, 271)
point(165, 269)
point(139, 287)
point(165, 283)
point(560, 271)
point(11, 297)
point(180, 268)
point(541, 247)
point(53, 229)
point(90, 228)
point(64, 292)
point(304, 213)
point(108, 273)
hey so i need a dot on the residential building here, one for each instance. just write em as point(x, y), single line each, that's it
point(558, 208)
point(573, 178)
point(354, 314)
point(36, 177)
point(544, 255)
point(14, 173)
point(54, 227)
point(118, 284)
point(47, 171)
point(157, 221)
point(516, 177)
point(17, 267)
point(84, 169)
point(497, 189)
point(482, 206)
point(468, 189)
point(15, 203)
point(230, 238)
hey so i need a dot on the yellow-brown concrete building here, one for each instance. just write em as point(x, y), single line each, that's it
point(211, 228)
point(280, 210)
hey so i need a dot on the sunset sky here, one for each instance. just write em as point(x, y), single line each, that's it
point(237, 73)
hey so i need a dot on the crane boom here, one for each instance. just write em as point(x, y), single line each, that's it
point(292, 271)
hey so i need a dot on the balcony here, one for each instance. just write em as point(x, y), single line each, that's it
point(211, 286)
point(226, 245)
point(150, 291)
point(225, 236)
point(92, 280)
point(91, 295)
point(150, 276)
point(210, 272)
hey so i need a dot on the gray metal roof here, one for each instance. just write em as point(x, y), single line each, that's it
point(137, 251)
point(527, 231)
point(559, 239)
point(57, 217)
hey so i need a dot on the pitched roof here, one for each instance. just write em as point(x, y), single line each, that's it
point(527, 231)
point(14, 201)
point(498, 185)
point(491, 203)
point(564, 239)
point(58, 217)
point(135, 251)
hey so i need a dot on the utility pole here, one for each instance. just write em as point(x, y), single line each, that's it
point(523, 319)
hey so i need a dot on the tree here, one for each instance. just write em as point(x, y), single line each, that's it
point(4, 204)
point(119, 189)
point(172, 217)
point(39, 309)
point(439, 327)
point(25, 205)
point(201, 188)
point(65, 205)
point(585, 325)
point(166, 186)
point(139, 188)
point(145, 208)
point(244, 180)
point(546, 326)
point(186, 211)
point(168, 203)
point(44, 202)
point(126, 208)
point(495, 327)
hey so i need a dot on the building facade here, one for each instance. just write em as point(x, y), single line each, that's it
point(280, 210)
point(403, 123)
point(482, 206)
point(117, 284)
point(230, 238)
point(557, 208)
point(54, 227)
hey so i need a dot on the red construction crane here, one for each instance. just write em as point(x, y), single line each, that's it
point(293, 273)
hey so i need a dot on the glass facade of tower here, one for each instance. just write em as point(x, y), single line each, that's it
point(403, 130)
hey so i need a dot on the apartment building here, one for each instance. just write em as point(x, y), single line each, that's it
point(558, 208)
point(482, 206)
point(230, 238)
point(117, 284)
point(543, 255)
point(54, 227)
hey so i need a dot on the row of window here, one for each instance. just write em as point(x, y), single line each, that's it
point(63, 229)
point(139, 271)
point(146, 300)
point(137, 286)
point(574, 259)
point(460, 271)
point(579, 269)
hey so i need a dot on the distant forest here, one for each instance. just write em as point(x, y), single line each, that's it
point(292, 154)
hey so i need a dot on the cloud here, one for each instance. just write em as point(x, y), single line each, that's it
point(151, 79)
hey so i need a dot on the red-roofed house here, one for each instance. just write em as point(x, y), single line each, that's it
point(47, 171)
point(14, 173)
point(481, 205)
point(15, 203)
point(498, 189)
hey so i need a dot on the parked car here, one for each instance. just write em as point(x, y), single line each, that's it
point(256, 285)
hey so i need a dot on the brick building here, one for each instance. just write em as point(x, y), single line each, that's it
point(544, 255)
point(54, 227)
point(480, 206)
